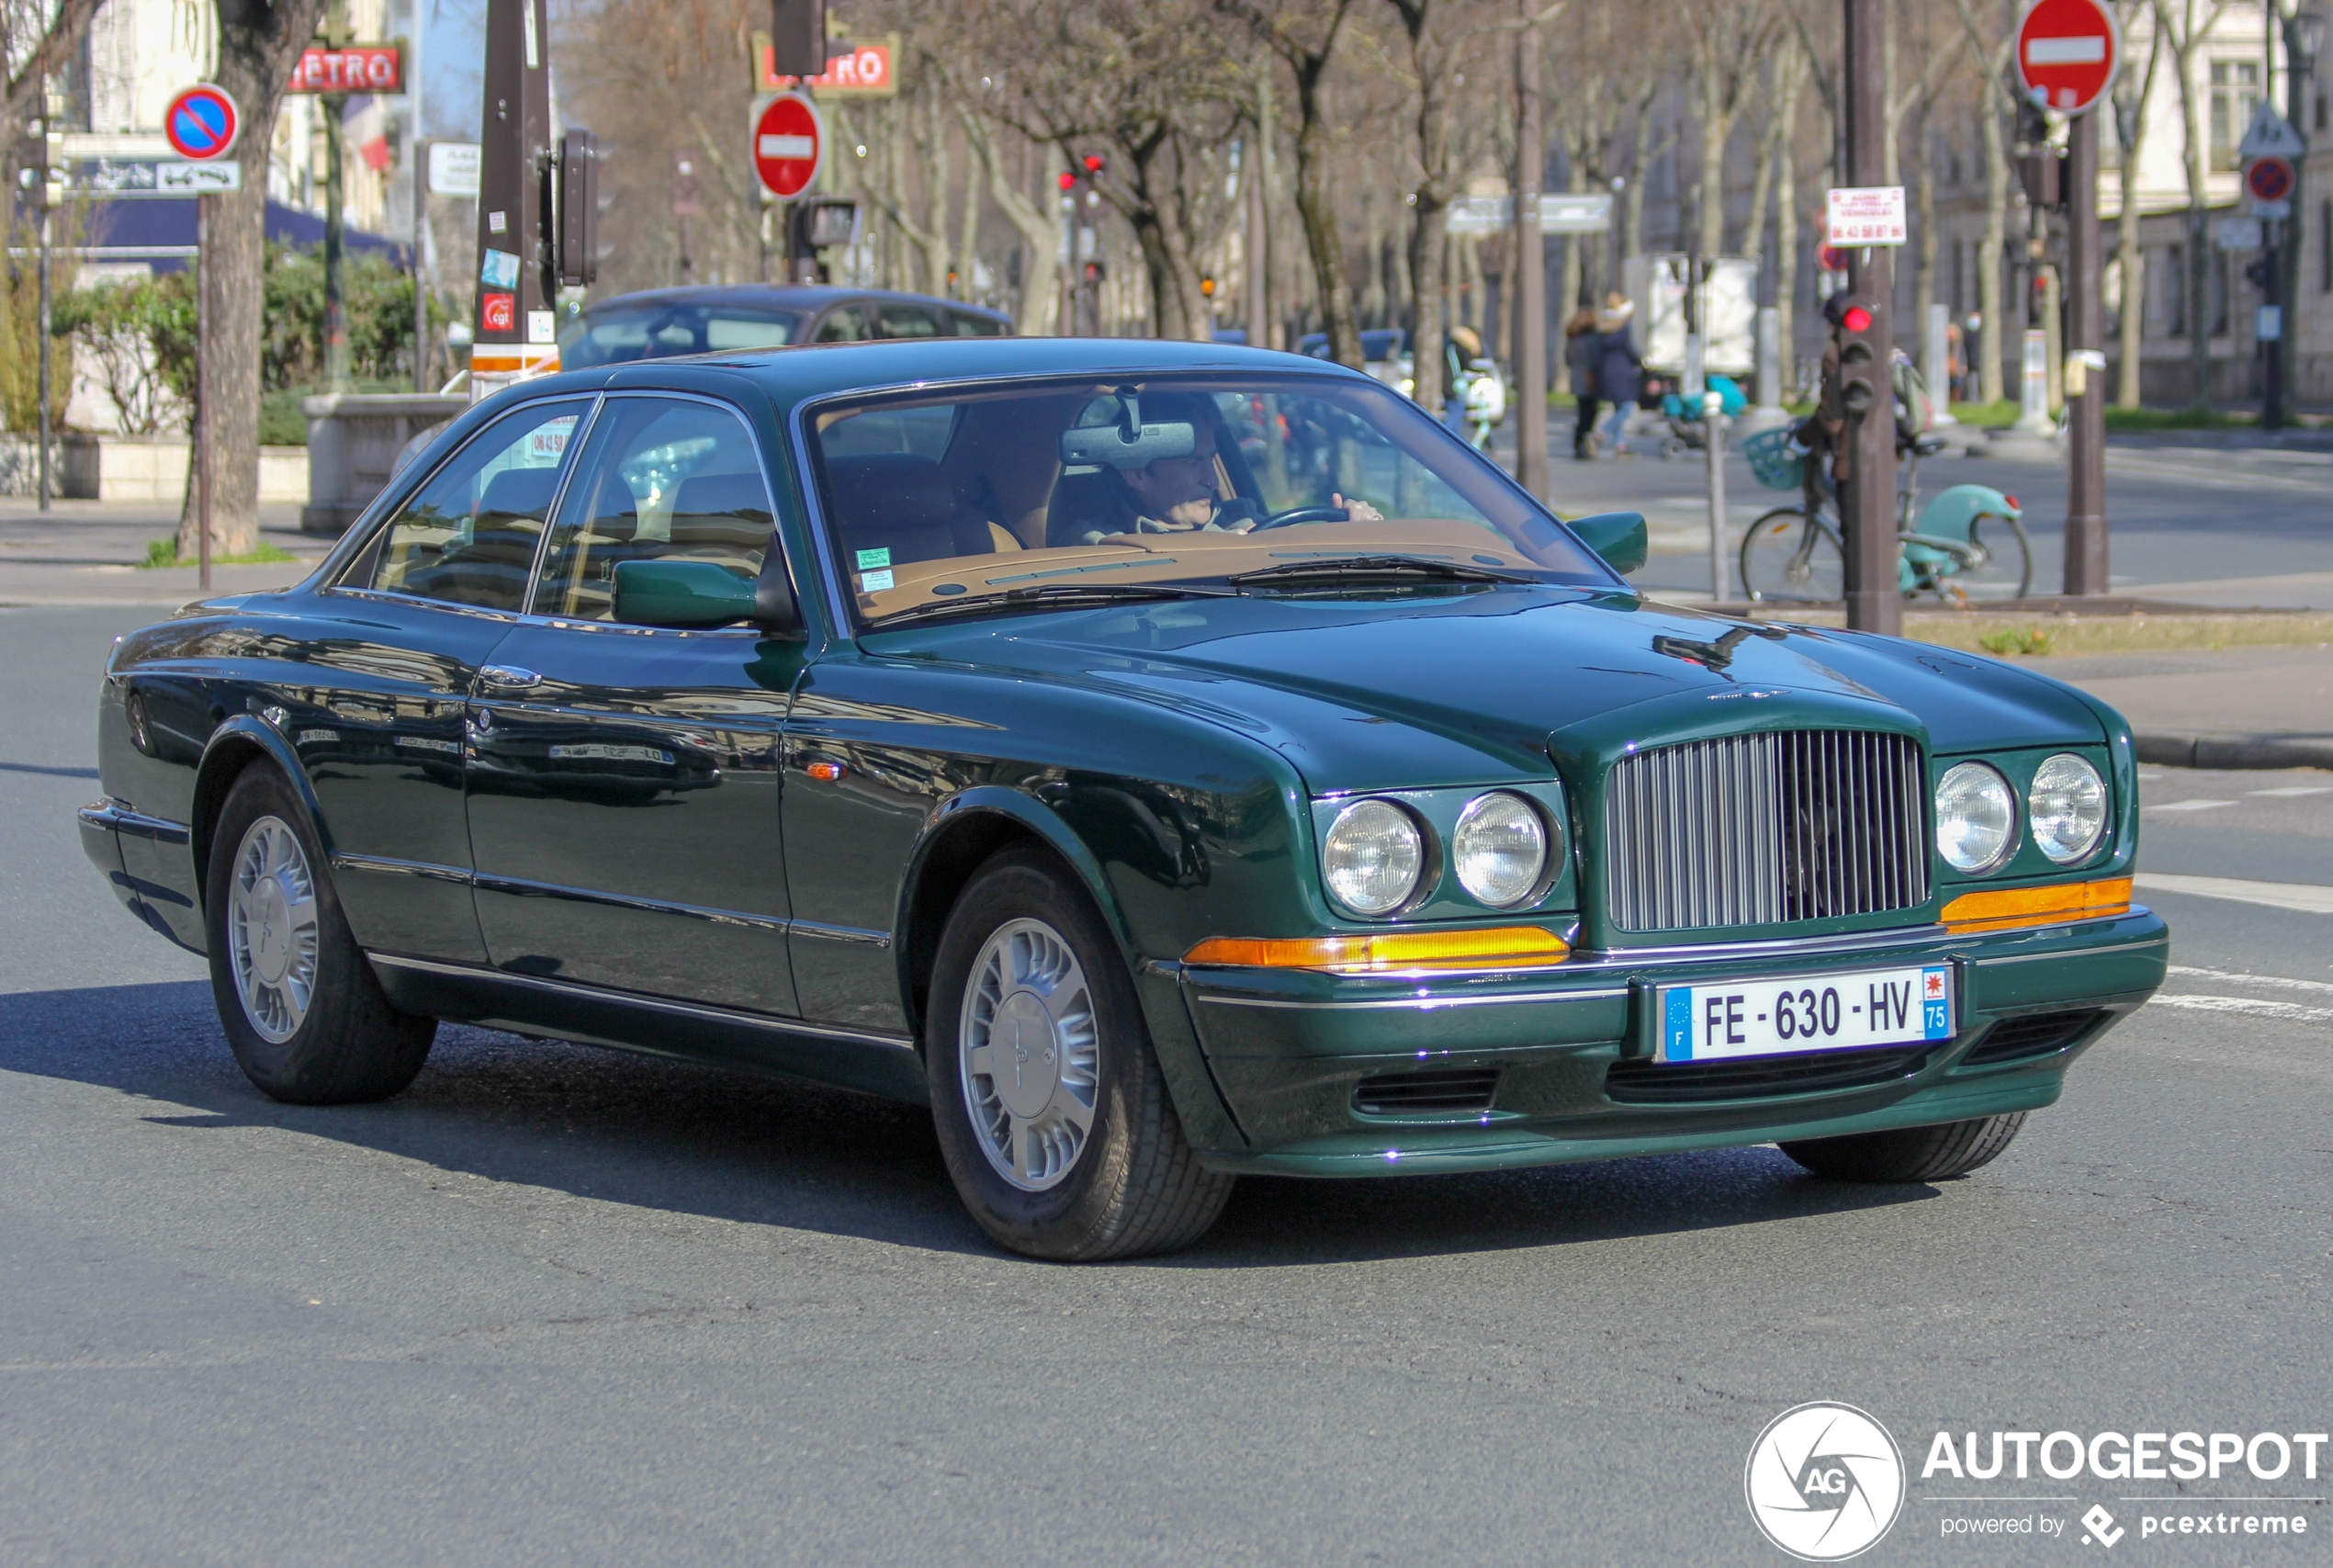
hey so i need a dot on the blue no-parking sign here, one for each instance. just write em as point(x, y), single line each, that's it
point(202, 122)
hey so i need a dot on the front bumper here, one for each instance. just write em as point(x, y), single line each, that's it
point(1571, 1048)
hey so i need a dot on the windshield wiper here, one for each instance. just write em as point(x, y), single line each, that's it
point(1065, 595)
point(1348, 567)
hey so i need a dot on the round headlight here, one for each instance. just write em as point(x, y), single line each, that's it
point(1372, 856)
point(1500, 849)
point(1975, 819)
point(2066, 807)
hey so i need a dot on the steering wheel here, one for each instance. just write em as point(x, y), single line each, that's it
point(1303, 514)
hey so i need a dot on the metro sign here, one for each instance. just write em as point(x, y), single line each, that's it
point(2068, 52)
point(359, 68)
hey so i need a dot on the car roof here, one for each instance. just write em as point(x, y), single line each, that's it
point(817, 370)
point(775, 296)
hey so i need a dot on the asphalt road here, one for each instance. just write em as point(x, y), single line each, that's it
point(564, 1306)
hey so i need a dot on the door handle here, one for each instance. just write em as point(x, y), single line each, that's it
point(508, 677)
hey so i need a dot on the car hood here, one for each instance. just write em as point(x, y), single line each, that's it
point(1475, 687)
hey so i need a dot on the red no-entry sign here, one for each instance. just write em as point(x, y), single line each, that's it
point(788, 143)
point(201, 122)
point(2068, 52)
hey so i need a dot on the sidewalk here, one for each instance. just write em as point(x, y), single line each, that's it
point(2248, 707)
point(86, 552)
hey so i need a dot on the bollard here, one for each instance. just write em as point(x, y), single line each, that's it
point(2033, 418)
point(1935, 362)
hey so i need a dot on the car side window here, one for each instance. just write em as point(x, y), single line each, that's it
point(970, 326)
point(905, 320)
point(844, 324)
point(661, 478)
point(467, 536)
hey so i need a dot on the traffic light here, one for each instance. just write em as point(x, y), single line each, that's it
point(2256, 273)
point(1864, 377)
point(1207, 286)
point(1066, 180)
point(1094, 272)
point(577, 163)
point(798, 37)
point(1095, 164)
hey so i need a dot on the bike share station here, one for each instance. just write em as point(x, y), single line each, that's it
point(1968, 547)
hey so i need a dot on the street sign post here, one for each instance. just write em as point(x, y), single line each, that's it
point(125, 179)
point(789, 143)
point(453, 168)
point(2271, 154)
point(2068, 52)
point(202, 123)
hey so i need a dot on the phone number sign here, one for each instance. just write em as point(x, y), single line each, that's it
point(1867, 214)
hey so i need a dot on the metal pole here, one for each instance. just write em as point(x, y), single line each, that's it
point(1867, 502)
point(421, 289)
point(2298, 67)
point(1251, 176)
point(1528, 270)
point(2085, 326)
point(202, 387)
point(47, 238)
point(2272, 344)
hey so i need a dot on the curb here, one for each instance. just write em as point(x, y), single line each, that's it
point(2234, 751)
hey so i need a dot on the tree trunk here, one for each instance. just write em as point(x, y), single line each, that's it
point(2198, 258)
point(1992, 329)
point(1034, 313)
point(1317, 181)
point(258, 43)
point(1924, 277)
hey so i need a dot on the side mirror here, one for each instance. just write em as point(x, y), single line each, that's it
point(682, 593)
point(1619, 536)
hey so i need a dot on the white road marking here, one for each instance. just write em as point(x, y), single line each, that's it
point(2300, 895)
point(2290, 1012)
point(2189, 805)
point(2266, 982)
point(2290, 790)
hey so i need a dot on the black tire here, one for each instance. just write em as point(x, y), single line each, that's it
point(349, 1045)
point(1784, 558)
point(1909, 1154)
point(1133, 1186)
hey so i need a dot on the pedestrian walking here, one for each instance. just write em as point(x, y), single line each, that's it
point(1584, 353)
point(1619, 372)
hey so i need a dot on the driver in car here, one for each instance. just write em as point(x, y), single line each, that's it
point(1180, 494)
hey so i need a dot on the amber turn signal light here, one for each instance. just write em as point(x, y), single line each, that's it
point(1501, 947)
point(1999, 908)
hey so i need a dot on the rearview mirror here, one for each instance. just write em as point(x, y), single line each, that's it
point(1113, 446)
point(1617, 537)
point(682, 593)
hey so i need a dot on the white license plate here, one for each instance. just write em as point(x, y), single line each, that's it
point(1810, 1012)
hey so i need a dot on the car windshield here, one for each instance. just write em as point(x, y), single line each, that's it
point(613, 335)
point(1193, 482)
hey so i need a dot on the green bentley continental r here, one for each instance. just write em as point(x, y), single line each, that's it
point(1164, 761)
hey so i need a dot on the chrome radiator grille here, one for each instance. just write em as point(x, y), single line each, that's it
point(1764, 829)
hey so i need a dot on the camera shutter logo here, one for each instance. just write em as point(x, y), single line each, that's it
point(1825, 1482)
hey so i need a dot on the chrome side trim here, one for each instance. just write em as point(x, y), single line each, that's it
point(386, 867)
point(841, 934)
point(116, 818)
point(662, 1004)
point(1422, 1004)
point(2040, 957)
point(522, 887)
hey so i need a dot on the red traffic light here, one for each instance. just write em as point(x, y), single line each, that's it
point(1856, 319)
point(1069, 180)
point(1093, 163)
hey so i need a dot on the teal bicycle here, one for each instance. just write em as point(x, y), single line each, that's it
point(1968, 545)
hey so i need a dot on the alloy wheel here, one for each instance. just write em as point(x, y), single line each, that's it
point(1030, 1054)
point(272, 929)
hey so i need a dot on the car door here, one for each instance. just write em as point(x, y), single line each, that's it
point(624, 778)
point(411, 618)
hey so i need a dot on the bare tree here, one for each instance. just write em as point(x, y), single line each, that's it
point(1304, 34)
point(2184, 25)
point(2130, 126)
point(1730, 40)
